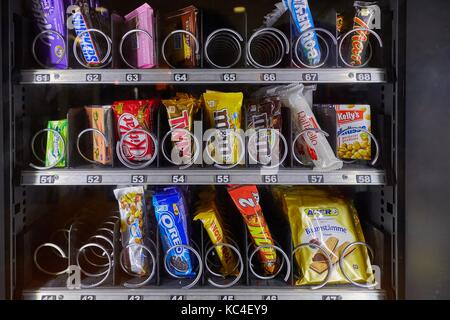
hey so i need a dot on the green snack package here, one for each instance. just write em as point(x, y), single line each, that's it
point(55, 146)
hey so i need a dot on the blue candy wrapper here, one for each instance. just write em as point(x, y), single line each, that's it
point(172, 216)
point(303, 21)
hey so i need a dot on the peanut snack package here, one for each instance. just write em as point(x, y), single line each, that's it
point(331, 222)
point(224, 111)
point(208, 213)
point(246, 199)
point(132, 208)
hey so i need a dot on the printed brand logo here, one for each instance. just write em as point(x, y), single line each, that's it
point(358, 41)
point(174, 237)
point(326, 228)
point(304, 19)
point(350, 116)
point(225, 143)
point(136, 145)
point(322, 212)
point(87, 44)
point(181, 138)
point(39, 13)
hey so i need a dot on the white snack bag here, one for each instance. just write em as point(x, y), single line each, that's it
point(315, 144)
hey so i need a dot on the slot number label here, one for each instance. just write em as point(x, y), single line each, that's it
point(135, 298)
point(270, 298)
point(177, 298)
point(48, 298)
point(179, 179)
point(229, 77)
point(94, 179)
point(328, 297)
point(133, 77)
point(181, 77)
point(138, 179)
point(363, 179)
point(269, 77)
point(88, 298)
point(270, 179)
point(223, 179)
point(310, 77)
point(316, 179)
point(47, 179)
point(93, 77)
point(39, 78)
point(363, 77)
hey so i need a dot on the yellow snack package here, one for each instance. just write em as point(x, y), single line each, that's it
point(333, 223)
point(224, 111)
point(212, 223)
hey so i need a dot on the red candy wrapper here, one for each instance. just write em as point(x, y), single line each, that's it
point(131, 115)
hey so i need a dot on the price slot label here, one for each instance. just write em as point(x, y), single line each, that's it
point(135, 298)
point(40, 78)
point(47, 179)
point(229, 77)
point(94, 179)
point(178, 179)
point(223, 179)
point(331, 297)
point(270, 298)
point(363, 179)
point(269, 77)
point(138, 179)
point(364, 77)
point(52, 297)
point(177, 298)
point(226, 298)
point(93, 77)
point(133, 77)
point(88, 298)
point(316, 179)
point(310, 77)
point(181, 77)
point(270, 179)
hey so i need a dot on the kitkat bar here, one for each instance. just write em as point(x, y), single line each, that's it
point(246, 199)
point(48, 16)
point(132, 115)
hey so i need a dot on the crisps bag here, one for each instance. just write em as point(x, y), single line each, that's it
point(332, 223)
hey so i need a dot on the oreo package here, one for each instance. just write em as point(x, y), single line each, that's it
point(48, 16)
point(172, 217)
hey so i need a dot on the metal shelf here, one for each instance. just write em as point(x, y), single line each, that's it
point(350, 175)
point(238, 293)
point(203, 76)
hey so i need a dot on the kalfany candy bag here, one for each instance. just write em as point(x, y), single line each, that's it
point(315, 144)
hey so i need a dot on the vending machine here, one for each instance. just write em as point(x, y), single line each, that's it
point(218, 150)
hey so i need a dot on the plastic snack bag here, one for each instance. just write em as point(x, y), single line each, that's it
point(132, 208)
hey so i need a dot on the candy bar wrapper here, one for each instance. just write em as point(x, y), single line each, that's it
point(365, 14)
point(100, 118)
point(135, 115)
point(172, 216)
point(49, 15)
point(182, 47)
point(209, 215)
point(316, 144)
point(55, 146)
point(84, 15)
point(331, 222)
point(143, 48)
point(303, 25)
point(132, 213)
point(181, 111)
point(224, 111)
point(246, 199)
point(263, 114)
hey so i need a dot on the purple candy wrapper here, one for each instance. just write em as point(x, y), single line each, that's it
point(50, 48)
